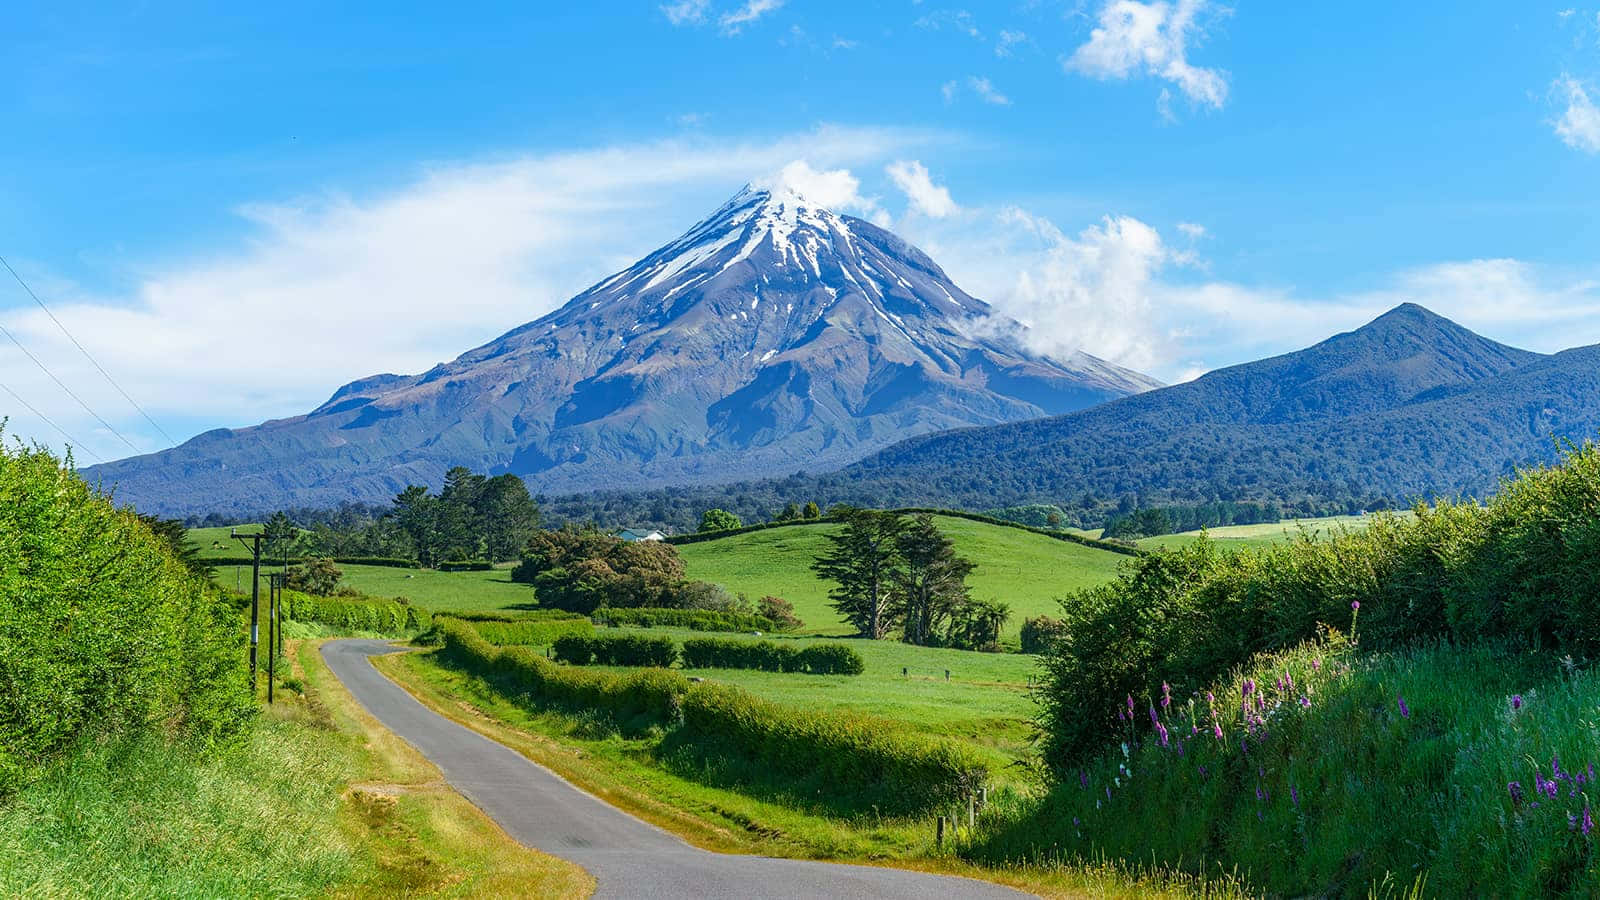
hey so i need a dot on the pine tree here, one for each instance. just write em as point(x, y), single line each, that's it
point(862, 564)
point(931, 584)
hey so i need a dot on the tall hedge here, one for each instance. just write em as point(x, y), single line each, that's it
point(615, 650)
point(534, 633)
point(101, 628)
point(767, 656)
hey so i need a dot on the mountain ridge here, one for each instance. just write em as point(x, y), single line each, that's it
point(772, 336)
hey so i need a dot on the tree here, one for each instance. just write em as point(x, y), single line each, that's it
point(719, 520)
point(506, 517)
point(458, 524)
point(417, 513)
point(811, 510)
point(281, 535)
point(780, 612)
point(317, 576)
point(789, 514)
point(862, 565)
point(930, 585)
point(976, 624)
point(176, 537)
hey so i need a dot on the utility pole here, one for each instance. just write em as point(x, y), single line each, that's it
point(253, 543)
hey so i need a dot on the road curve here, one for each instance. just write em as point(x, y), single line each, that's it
point(628, 857)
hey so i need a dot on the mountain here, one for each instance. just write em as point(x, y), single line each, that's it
point(1411, 405)
point(775, 336)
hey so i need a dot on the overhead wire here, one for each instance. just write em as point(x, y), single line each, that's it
point(86, 355)
point(62, 431)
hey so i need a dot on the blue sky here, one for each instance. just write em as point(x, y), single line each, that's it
point(237, 211)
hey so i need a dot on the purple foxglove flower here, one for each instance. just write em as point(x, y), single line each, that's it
point(1355, 605)
point(1130, 704)
point(1588, 821)
point(1294, 795)
point(1516, 701)
point(1162, 729)
point(1555, 767)
point(1154, 719)
point(1405, 711)
point(1249, 687)
point(1210, 698)
point(1083, 780)
point(1305, 702)
point(1515, 790)
point(1316, 664)
point(1217, 727)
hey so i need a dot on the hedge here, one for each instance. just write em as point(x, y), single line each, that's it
point(615, 650)
point(766, 656)
point(274, 561)
point(102, 629)
point(836, 759)
point(633, 700)
point(535, 633)
point(355, 613)
point(694, 619)
point(466, 565)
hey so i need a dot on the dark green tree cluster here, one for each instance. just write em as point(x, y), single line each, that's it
point(472, 517)
point(795, 513)
point(583, 570)
point(895, 572)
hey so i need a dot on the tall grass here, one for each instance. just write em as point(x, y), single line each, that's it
point(1321, 771)
point(139, 816)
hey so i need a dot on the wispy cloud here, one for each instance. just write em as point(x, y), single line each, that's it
point(1007, 40)
point(420, 272)
point(986, 91)
point(734, 21)
point(1579, 124)
point(1152, 39)
point(686, 12)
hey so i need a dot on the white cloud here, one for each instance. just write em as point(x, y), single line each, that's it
point(835, 189)
point(840, 43)
point(332, 288)
point(1152, 39)
point(958, 20)
point(1192, 231)
point(1579, 125)
point(686, 12)
point(1009, 39)
point(926, 197)
point(733, 22)
point(948, 89)
point(986, 91)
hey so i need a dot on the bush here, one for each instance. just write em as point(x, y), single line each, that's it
point(466, 565)
point(830, 758)
point(394, 617)
point(615, 650)
point(780, 612)
point(102, 629)
point(317, 576)
point(721, 653)
point(1039, 633)
point(695, 619)
point(832, 659)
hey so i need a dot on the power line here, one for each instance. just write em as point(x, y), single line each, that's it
point(42, 368)
point(58, 428)
point(92, 361)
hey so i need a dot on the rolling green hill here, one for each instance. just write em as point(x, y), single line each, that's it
point(1027, 570)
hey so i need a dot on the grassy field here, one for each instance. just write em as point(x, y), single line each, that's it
point(1028, 571)
point(1251, 536)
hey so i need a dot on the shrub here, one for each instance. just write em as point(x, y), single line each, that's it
point(1039, 632)
point(832, 659)
point(466, 565)
point(615, 650)
point(780, 612)
point(102, 629)
point(721, 653)
point(317, 576)
point(832, 758)
point(695, 619)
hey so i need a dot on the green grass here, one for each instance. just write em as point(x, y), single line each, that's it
point(434, 591)
point(1255, 536)
point(1026, 570)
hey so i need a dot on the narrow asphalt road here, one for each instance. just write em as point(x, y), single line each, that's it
point(628, 857)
